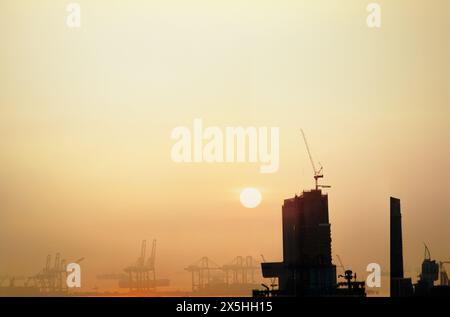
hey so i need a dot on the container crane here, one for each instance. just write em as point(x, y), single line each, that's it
point(141, 276)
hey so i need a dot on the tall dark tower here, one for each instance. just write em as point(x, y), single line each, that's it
point(396, 240)
point(400, 286)
point(307, 269)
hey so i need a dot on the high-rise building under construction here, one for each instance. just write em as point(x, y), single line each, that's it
point(307, 269)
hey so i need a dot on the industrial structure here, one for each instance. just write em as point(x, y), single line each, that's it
point(51, 280)
point(241, 270)
point(142, 274)
point(238, 277)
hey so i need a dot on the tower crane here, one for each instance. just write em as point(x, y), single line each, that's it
point(317, 172)
point(341, 265)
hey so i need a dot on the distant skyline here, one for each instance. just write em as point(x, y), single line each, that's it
point(86, 117)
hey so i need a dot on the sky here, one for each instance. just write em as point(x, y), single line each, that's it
point(86, 117)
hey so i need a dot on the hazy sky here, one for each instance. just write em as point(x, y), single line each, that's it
point(86, 116)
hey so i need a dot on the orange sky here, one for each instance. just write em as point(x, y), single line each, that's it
point(86, 117)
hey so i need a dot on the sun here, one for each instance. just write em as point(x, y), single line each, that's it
point(250, 197)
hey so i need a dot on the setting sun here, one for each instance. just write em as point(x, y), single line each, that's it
point(250, 197)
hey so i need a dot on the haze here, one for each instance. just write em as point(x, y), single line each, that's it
point(86, 117)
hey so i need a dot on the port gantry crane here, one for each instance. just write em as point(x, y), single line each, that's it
point(52, 279)
point(142, 275)
point(317, 172)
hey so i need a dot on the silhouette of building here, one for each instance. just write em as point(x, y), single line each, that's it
point(431, 270)
point(429, 274)
point(307, 269)
point(400, 286)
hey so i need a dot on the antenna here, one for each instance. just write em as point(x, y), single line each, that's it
point(317, 172)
